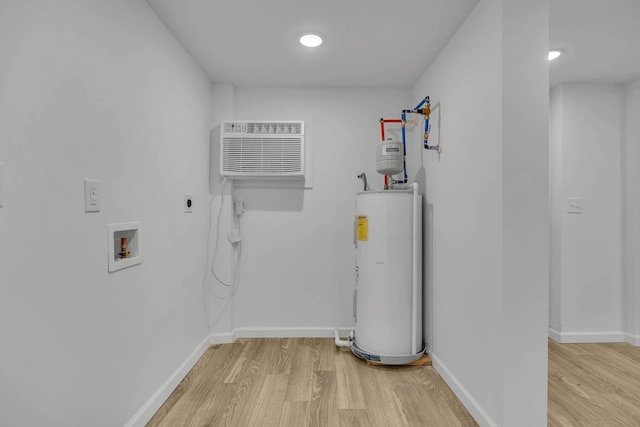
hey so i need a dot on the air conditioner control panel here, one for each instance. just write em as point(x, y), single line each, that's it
point(231, 127)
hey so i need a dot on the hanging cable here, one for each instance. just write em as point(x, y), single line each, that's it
point(207, 291)
point(236, 273)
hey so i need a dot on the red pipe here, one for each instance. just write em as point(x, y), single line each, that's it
point(382, 122)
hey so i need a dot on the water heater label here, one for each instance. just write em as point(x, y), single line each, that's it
point(363, 227)
point(390, 150)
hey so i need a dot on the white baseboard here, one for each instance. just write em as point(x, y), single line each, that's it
point(150, 407)
point(588, 337)
point(632, 339)
point(278, 332)
point(308, 332)
point(226, 338)
point(554, 335)
point(472, 405)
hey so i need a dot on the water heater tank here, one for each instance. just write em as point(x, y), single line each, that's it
point(389, 157)
point(388, 297)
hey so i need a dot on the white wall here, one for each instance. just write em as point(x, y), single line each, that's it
point(219, 295)
point(96, 89)
point(557, 203)
point(297, 266)
point(586, 159)
point(631, 208)
point(486, 259)
point(525, 208)
point(463, 217)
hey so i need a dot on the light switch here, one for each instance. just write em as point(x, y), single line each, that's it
point(575, 205)
point(91, 195)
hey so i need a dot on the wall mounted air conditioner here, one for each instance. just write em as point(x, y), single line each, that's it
point(262, 149)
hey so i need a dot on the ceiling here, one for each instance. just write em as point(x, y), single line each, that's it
point(601, 40)
point(369, 43)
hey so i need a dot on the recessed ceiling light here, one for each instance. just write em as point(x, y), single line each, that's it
point(555, 53)
point(311, 40)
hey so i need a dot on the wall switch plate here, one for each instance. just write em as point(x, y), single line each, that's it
point(91, 195)
point(188, 203)
point(575, 205)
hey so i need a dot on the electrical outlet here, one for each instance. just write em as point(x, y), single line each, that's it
point(91, 195)
point(188, 203)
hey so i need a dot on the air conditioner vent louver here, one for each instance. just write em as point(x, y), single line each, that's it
point(274, 127)
point(262, 149)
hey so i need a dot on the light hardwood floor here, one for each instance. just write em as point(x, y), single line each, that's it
point(306, 382)
point(594, 385)
point(309, 382)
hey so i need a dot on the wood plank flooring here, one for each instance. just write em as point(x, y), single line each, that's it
point(310, 382)
point(594, 385)
point(306, 382)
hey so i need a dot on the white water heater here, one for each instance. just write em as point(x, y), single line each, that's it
point(388, 295)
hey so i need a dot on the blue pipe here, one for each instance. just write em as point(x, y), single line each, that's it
point(416, 110)
point(426, 135)
point(404, 147)
point(426, 99)
point(426, 123)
